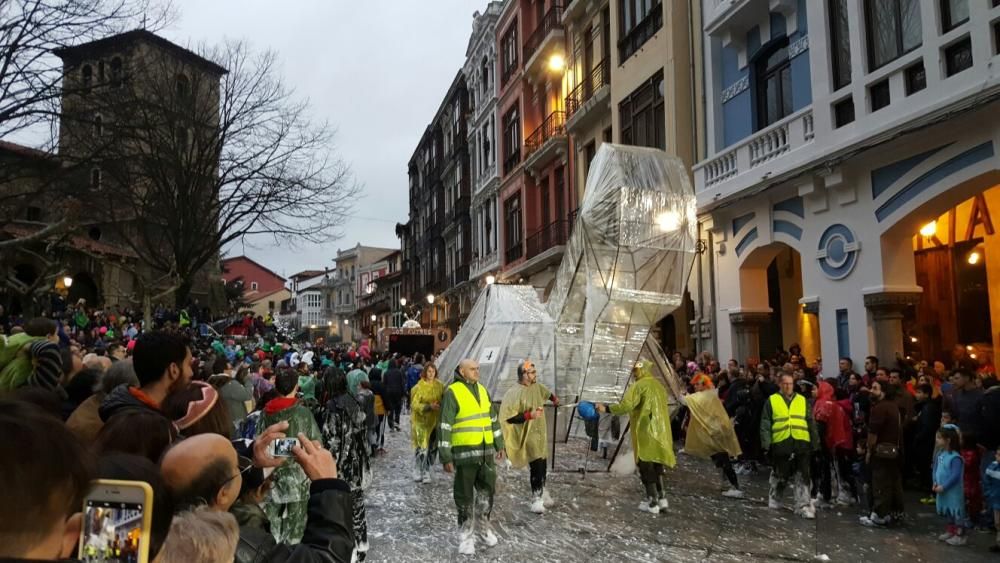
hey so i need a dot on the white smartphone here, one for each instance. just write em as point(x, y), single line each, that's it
point(283, 446)
point(117, 516)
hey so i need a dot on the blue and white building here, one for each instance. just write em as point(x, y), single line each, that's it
point(852, 159)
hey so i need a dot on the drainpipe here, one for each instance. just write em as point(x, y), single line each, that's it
point(701, 296)
point(711, 284)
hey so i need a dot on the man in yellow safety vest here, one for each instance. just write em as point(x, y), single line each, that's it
point(469, 436)
point(788, 435)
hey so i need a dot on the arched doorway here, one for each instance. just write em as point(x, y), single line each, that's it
point(84, 287)
point(771, 293)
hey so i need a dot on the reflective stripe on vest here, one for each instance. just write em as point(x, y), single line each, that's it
point(788, 422)
point(472, 424)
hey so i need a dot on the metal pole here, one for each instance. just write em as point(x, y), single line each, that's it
point(572, 417)
point(555, 386)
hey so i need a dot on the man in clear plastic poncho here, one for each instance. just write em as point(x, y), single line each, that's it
point(425, 405)
point(645, 402)
point(710, 432)
point(522, 418)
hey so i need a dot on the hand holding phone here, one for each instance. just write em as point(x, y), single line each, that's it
point(117, 521)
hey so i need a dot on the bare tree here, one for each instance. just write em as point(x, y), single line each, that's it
point(202, 151)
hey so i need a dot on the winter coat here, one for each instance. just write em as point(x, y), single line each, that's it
point(354, 379)
point(710, 431)
point(393, 382)
point(963, 405)
point(345, 433)
point(645, 402)
point(124, 398)
point(988, 413)
point(526, 438)
point(85, 423)
point(838, 426)
point(290, 482)
point(948, 470)
point(32, 361)
point(425, 417)
point(413, 375)
point(991, 486)
point(329, 535)
point(236, 398)
point(250, 515)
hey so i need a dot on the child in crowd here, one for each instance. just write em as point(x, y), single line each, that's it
point(948, 468)
point(991, 492)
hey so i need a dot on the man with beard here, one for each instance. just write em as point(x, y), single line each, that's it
point(522, 418)
point(162, 363)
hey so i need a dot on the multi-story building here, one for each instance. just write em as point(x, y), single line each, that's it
point(295, 312)
point(852, 171)
point(537, 195)
point(379, 306)
point(356, 267)
point(263, 290)
point(436, 241)
point(481, 77)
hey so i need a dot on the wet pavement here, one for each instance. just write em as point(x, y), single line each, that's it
point(596, 519)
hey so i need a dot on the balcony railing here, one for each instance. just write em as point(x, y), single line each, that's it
point(759, 149)
point(514, 253)
point(641, 33)
point(551, 21)
point(554, 234)
point(553, 126)
point(599, 77)
point(460, 275)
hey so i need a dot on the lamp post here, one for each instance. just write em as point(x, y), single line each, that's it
point(430, 301)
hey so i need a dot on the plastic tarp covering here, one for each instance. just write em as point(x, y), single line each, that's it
point(625, 267)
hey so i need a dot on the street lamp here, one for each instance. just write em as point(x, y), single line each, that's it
point(374, 317)
point(430, 298)
point(402, 302)
point(430, 301)
point(68, 281)
point(347, 321)
point(491, 279)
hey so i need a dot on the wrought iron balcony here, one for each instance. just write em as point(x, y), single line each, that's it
point(642, 32)
point(551, 22)
point(599, 77)
point(553, 126)
point(554, 234)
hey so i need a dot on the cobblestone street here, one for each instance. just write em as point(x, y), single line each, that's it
point(596, 519)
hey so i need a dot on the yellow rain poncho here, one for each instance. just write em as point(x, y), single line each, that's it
point(645, 402)
point(527, 441)
point(423, 395)
point(710, 430)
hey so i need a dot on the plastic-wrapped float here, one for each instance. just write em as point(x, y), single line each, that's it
point(624, 268)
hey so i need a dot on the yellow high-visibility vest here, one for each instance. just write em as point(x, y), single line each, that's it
point(788, 422)
point(472, 424)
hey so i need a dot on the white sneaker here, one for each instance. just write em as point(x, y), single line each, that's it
point(546, 499)
point(957, 540)
point(663, 504)
point(808, 512)
point(426, 478)
point(466, 542)
point(946, 536)
point(773, 504)
point(645, 507)
point(733, 493)
point(417, 475)
point(538, 505)
point(486, 534)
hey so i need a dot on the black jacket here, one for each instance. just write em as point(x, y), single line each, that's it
point(989, 418)
point(329, 536)
point(120, 400)
point(393, 382)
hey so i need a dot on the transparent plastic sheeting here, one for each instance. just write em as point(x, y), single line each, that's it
point(624, 268)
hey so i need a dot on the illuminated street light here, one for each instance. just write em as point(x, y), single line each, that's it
point(374, 318)
point(973, 258)
point(402, 302)
point(430, 298)
point(347, 321)
point(329, 323)
point(491, 279)
point(557, 63)
point(929, 229)
point(68, 281)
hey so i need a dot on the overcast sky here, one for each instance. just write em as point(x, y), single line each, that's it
point(375, 69)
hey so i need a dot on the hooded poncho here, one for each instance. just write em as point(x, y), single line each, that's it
point(526, 441)
point(710, 430)
point(645, 402)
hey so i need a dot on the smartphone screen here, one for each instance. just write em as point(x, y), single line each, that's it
point(112, 531)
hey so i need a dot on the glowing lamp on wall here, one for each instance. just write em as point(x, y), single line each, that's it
point(929, 229)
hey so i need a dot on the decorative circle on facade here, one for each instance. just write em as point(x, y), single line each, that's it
point(838, 251)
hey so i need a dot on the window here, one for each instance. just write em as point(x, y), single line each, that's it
point(638, 21)
point(95, 233)
point(33, 213)
point(843, 112)
point(253, 286)
point(954, 13)
point(96, 178)
point(840, 45)
point(512, 226)
point(916, 78)
point(589, 151)
point(894, 28)
point(772, 83)
point(87, 77)
point(642, 117)
point(485, 81)
point(879, 93)
point(958, 57)
point(508, 56)
point(996, 36)
point(511, 139)
point(606, 135)
point(116, 71)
